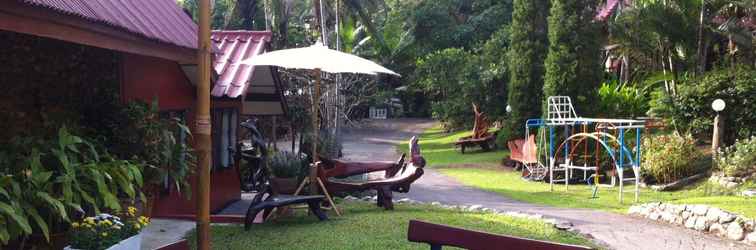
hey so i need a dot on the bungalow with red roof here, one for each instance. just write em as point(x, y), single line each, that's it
point(56, 50)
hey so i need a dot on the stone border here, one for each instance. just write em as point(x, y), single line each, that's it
point(701, 218)
point(556, 223)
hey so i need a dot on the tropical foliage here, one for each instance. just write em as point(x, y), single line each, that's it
point(46, 183)
point(667, 158)
point(738, 159)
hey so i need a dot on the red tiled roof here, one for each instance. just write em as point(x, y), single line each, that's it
point(234, 47)
point(607, 9)
point(161, 20)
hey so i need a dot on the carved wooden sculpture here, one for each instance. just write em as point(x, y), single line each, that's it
point(480, 137)
point(398, 177)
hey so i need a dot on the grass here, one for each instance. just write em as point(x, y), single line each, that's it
point(438, 148)
point(364, 226)
point(579, 196)
point(480, 170)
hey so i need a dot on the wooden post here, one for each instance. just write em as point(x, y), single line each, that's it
point(717, 137)
point(202, 133)
point(315, 132)
point(275, 134)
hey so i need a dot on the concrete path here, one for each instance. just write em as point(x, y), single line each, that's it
point(614, 230)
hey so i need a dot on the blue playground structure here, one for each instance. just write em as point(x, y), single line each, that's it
point(580, 146)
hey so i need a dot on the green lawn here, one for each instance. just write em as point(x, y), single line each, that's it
point(365, 226)
point(438, 149)
point(477, 169)
point(579, 196)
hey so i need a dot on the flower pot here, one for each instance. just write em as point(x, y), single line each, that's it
point(283, 185)
point(133, 242)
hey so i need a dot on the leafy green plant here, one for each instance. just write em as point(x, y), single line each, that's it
point(286, 164)
point(44, 182)
point(667, 158)
point(153, 141)
point(621, 100)
point(738, 159)
point(690, 110)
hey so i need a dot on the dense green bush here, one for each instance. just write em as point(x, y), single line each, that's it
point(738, 159)
point(528, 48)
point(46, 182)
point(285, 164)
point(667, 158)
point(690, 110)
point(621, 101)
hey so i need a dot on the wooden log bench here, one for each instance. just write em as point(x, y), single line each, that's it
point(440, 235)
point(398, 175)
point(274, 201)
point(486, 142)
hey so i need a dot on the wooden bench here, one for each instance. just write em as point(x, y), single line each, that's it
point(267, 200)
point(398, 177)
point(441, 235)
point(480, 136)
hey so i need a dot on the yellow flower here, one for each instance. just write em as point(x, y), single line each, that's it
point(137, 226)
point(75, 224)
point(104, 234)
point(132, 211)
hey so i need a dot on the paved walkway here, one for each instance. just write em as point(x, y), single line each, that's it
point(614, 230)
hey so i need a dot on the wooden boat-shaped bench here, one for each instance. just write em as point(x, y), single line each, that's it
point(480, 136)
point(398, 177)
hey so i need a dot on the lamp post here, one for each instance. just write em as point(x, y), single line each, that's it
point(717, 105)
point(509, 109)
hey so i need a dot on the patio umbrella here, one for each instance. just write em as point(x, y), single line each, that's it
point(318, 58)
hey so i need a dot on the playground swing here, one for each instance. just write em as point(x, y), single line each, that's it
point(561, 114)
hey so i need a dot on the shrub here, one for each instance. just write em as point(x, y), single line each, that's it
point(667, 158)
point(738, 159)
point(287, 165)
point(690, 110)
point(621, 101)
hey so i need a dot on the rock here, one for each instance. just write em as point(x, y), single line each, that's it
point(726, 217)
point(535, 216)
point(751, 238)
point(735, 231)
point(690, 222)
point(749, 193)
point(750, 225)
point(713, 214)
point(700, 209)
point(563, 225)
point(474, 207)
point(654, 216)
point(367, 198)
point(731, 185)
point(679, 220)
point(436, 203)
point(718, 229)
point(550, 221)
point(701, 224)
point(668, 216)
point(686, 215)
point(403, 200)
point(350, 198)
point(634, 210)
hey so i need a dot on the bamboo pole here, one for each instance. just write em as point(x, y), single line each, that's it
point(315, 131)
point(203, 127)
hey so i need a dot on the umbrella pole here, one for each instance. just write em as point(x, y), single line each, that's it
point(315, 131)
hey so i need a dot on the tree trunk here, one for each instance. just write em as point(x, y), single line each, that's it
point(700, 54)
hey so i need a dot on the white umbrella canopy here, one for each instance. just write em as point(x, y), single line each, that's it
point(319, 57)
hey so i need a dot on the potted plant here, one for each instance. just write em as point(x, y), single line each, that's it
point(286, 168)
point(109, 232)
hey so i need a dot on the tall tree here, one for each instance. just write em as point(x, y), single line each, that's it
point(573, 66)
point(528, 46)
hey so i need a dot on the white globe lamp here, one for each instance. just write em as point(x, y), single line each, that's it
point(718, 105)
